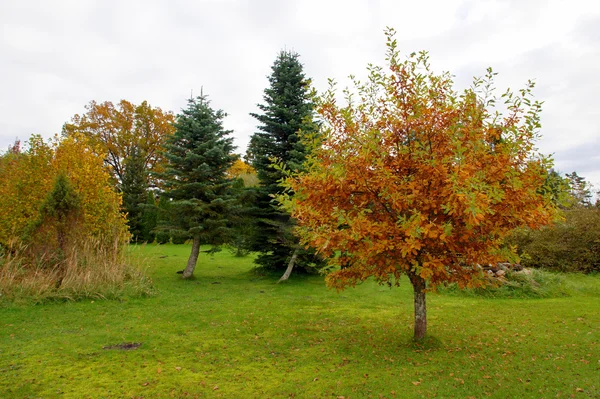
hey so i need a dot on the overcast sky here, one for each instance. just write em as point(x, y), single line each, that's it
point(57, 55)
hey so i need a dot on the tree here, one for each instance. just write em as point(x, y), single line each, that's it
point(241, 170)
point(119, 131)
point(580, 190)
point(53, 194)
point(63, 207)
point(163, 233)
point(286, 113)
point(149, 218)
point(414, 178)
point(557, 187)
point(134, 187)
point(199, 155)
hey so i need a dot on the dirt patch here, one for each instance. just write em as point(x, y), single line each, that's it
point(125, 346)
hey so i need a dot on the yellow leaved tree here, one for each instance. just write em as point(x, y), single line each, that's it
point(61, 225)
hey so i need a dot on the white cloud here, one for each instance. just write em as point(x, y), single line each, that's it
point(59, 55)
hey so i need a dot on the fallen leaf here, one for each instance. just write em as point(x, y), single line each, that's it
point(215, 387)
point(159, 370)
point(416, 382)
point(178, 368)
point(578, 390)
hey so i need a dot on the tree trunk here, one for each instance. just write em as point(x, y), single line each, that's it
point(290, 266)
point(191, 264)
point(419, 286)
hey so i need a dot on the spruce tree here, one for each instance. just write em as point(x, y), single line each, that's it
point(200, 193)
point(286, 113)
point(149, 218)
point(163, 233)
point(134, 187)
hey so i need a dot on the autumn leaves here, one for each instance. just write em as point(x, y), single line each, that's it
point(424, 180)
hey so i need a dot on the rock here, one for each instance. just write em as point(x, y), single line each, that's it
point(500, 273)
point(505, 266)
point(517, 268)
point(493, 268)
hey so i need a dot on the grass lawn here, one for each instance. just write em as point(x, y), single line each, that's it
point(231, 333)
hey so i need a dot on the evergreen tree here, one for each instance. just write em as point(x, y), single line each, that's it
point(242, 220)
point(199, 155)
point(62, 207)
point(286, 113)
point(135, 193)
point(149, 218)
point(581, 192)
point(163, 233)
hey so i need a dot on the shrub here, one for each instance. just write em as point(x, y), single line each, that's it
point(61, 230)
point(163, 237)
point(179, 238)
point(572, 245)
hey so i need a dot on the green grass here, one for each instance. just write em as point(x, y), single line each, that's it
point(537, 284)
point(232, 333)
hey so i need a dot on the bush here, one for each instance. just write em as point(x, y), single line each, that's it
point(179, 238)
point(163, 237)
point(572, 245)
point(61, 230)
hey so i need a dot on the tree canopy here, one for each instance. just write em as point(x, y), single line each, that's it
point(287, 113)
point(199, 155)
point(47, 184)
point(415, 178)
point(121, 130)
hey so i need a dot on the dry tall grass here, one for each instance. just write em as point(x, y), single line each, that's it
point(87, 270)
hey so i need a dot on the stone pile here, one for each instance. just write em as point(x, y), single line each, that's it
point(499, 270)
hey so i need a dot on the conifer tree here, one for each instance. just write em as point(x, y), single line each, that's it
point(580, 189)
point(286, 113)
point(134, 188)
point(195, 180)
point(61, 208)
point(163, 234)
point(149, 218)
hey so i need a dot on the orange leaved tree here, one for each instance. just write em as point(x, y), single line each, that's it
point(411, 177)
point(118, 131)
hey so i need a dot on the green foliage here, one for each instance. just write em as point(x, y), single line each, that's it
point(571, 245)
point(149, 219)
point(58, 224)
point(557, 189)
point(199, 155)
point(134, 187)
point(286, 116)
point(163, 233)
point(62, 201)
point(243, 226)
point(179, 237)
point(581, 192)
